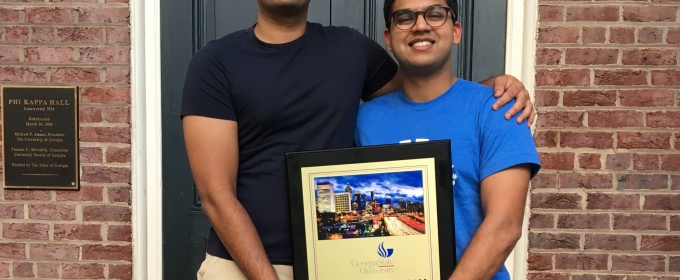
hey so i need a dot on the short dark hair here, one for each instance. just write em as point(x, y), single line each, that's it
point(387, 9)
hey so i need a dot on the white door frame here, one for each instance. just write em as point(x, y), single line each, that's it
point(147, 213)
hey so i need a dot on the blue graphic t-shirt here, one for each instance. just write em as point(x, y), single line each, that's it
point(483, 142)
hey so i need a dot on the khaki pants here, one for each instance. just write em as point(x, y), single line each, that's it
point(214, 268)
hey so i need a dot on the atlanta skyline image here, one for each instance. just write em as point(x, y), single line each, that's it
point(370, 205)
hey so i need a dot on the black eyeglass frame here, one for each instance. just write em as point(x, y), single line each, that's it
point(448, 11)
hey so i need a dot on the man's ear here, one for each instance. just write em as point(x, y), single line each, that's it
point(388, 41)
point(457, 33)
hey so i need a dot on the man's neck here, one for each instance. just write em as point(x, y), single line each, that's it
point(423, 89)
point(275, 30)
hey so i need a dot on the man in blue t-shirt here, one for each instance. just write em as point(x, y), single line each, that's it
point(282, 85)
point(493, 159)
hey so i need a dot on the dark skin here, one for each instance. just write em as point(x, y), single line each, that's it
point(212, 144)
point(427, 75)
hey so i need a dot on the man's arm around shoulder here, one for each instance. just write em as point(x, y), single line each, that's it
point(212, 147)
point(503, 196)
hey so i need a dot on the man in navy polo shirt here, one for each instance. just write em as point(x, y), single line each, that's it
point(282, 85)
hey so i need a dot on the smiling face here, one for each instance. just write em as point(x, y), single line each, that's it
point(422, 41)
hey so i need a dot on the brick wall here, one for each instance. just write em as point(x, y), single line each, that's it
point(67, 234)
point(607, 204)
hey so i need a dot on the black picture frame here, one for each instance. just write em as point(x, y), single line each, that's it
point(438, 150)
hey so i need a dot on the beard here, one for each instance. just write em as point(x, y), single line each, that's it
point(284, 9)
point(423, 69)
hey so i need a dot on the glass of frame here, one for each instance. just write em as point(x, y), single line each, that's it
point(376, 212)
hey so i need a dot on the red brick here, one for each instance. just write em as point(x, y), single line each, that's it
point(120, 271)
point(620, 77)
point(644, 140)
point(556, 201)
point(86, 193)
point(544, 180)
point(54, 252)
point(563, 77)
point(622, 35)
point(48, 270)
point(660, 243)
point(43, 34)
point(675, 223)
point(642, 182)
point(649, 57)
point(547, 276)
point(649, 13)
point(550, 13)
point(49, 15)
point(80, 34)
point(639, 263)
point(548, 56)
point(4, 269)
point(592, 35)
point(12, 251)
point(615, 119)
point(649, 35)
point(602, 201)
point(666, 77)
point(118, 115)
point(11, 211)
point(618, 161)
point(25, 231)
point(23, 270)
point(105, 134)
point(583, 221)
point(591, 56)
point(122, 75)
point(9, 15)
point(662, 202)
point(106, 95)
point(589, 161)
point(560, 119)
point(64, 212)
point(585, 181)
point(673, 36)
point(119, 194)
point(9, 54)
point(77, 232)
point(49, 55)
point(75, 75)
point(670, 162)
point(610, 242)
point(590, 98)
point(558, 34)
point(596, 140)
point(104, 213)
point(554, 241)
point(647, 98)
point(90, 115)
point(584, 277)
point(645, 162)
point(541, 221)
point(16, 34)
point(107, 252)
point(100, 174)
point(540, 261)
point(82, 271)
point(593, 13)
point(545, 139)
point(547, 98)
point(120, 233)
point(581, 261)
point(91, 155)
point(118, 35)
point(611, 277)
point(105, 55)
point(105, 15)
point(676, 183)
point(559, 161)
point(115, 154)
point(23, 74)
point(675, 264)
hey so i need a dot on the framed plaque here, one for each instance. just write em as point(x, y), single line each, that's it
point(377, 212)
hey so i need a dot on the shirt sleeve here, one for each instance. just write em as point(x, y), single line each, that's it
point(206, 87)
point(380, 67)
point(504, 143)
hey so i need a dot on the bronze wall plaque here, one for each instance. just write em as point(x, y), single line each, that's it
point(40, 135)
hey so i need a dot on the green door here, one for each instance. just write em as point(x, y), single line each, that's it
point(188, 24)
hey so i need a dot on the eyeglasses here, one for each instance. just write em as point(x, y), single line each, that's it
point(435, 16)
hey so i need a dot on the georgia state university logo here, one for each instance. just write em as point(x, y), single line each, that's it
point(385, 253)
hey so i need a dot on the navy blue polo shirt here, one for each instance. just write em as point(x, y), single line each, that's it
point(297, 96)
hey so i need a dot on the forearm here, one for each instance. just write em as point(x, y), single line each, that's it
point(489, 248)
point(238, 234)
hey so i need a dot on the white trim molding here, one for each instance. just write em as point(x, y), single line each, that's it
point(147, 218)
point(522, 26)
